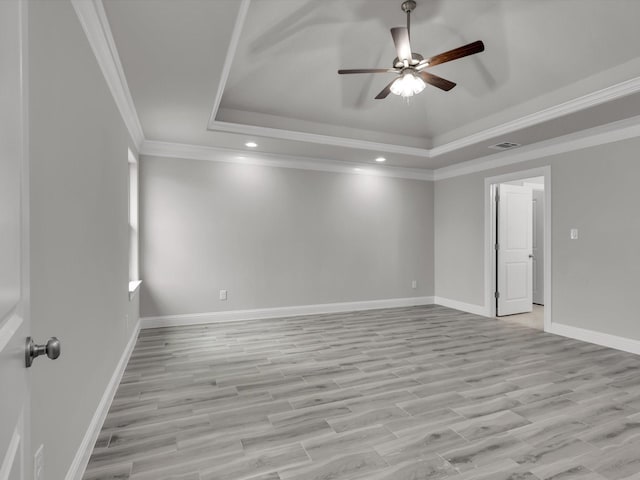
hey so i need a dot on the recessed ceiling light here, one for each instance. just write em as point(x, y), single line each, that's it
point(381, 159)
point(251, 144)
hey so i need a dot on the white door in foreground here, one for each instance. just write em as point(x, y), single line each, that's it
point(514, 252)
point(14, 320)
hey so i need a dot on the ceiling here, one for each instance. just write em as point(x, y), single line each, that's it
point(216, 73)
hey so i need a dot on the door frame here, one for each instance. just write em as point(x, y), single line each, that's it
point(490, 237)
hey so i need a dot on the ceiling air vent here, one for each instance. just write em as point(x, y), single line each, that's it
point(505, 146)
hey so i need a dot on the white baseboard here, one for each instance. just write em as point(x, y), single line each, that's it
point(259, 313)
point(599, 338)
point(80, 461)
point(465, 307)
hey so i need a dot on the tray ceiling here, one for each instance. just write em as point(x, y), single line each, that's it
point(576, 61)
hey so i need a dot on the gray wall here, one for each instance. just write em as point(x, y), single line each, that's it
point(79, 239)
point(271, 236)
point(595, 279)
point(277, 237)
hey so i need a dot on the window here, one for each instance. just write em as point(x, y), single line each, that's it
point(134, 280)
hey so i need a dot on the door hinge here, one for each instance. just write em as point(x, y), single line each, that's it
point(497, 295)
point(497, 196)
point(497, 246)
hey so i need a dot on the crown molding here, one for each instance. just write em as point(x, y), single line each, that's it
point(228, 155)
point(96, 27)
point(284, 134)
point(297, 136)
point(231, 53)
point(572, 106)
point(611, 132)
point(95, 24)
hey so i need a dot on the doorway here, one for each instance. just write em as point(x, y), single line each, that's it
point(520, 251)
point(518, 247)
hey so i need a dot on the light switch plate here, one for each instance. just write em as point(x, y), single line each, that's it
point(574, 234)
point(223, 294)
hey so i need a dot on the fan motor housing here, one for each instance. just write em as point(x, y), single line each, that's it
point(416, 58)
point(408, 6)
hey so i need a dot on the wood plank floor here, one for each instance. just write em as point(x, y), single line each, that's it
point(398, 394)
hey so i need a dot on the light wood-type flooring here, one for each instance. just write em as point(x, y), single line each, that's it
point(534, 319)
point(398, 394)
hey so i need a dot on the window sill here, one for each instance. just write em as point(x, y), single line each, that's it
point(134, 286)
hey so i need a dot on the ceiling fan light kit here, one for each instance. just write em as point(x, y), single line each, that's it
point(411, 67)
point(408, 85)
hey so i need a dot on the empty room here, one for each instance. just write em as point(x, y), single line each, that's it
point(319, 240)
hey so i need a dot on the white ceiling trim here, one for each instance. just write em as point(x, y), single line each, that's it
point(254, 130)
point(231, 53)
point(284, 134)
point(611, 132)
point(589, 100)
point(96, 27)
point(601, 135)
point(580, 103)
point(228, 155)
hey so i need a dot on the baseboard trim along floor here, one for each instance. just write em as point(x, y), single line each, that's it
point(604, 339)
point(576, 333)
point(80, 461)
point(462, 306)
point(278, 312)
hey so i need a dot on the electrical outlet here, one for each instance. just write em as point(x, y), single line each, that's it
point(38, 464)
point(414, 284)
point(223, 294)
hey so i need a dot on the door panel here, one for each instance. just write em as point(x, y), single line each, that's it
point(538, 247)
point(514, 205)
point(516, 280)
point(515, 242)
point(10, 166)
point(12, 466)
point(14, 247)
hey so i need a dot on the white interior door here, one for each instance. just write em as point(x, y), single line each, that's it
point(514, 252)
point(14, 307)
point(538, 246)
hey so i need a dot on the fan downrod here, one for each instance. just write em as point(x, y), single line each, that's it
point(408, 6)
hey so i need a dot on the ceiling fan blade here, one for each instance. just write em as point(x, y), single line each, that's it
point(385, 91)
point(470, 49)
point(368, 70)
point(401, 40)
point(437, 81)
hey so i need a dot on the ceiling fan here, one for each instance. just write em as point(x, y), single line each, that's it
point(410, 66)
